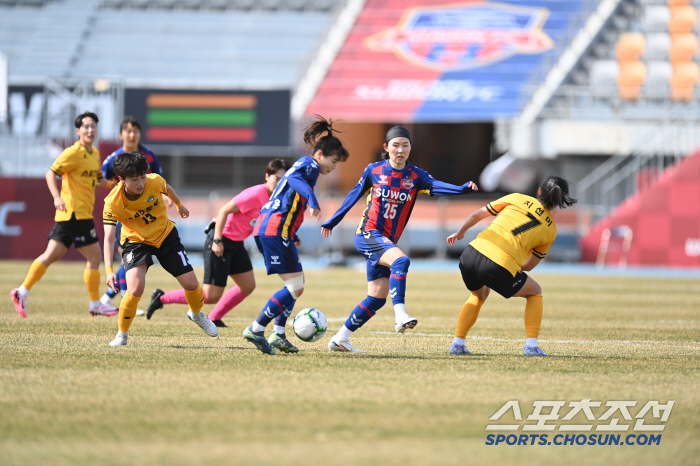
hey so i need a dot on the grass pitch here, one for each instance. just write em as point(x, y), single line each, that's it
point(174, 396)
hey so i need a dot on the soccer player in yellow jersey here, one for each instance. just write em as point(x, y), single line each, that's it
point(79, 165)
point(514, 243)
point(147, 231)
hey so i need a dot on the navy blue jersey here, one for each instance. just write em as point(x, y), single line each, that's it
point(391, 195)
point(153, 164)
point(284, 213)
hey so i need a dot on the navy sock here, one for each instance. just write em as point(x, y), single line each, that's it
point(121, 276)
point(363, 312)
point(397, 280)
point(110, 292)
point(280, 303)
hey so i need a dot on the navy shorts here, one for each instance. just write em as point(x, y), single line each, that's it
point(373, 244)
point(233, 261)
point(478, 271)
point(280, 254)
point(78, 232)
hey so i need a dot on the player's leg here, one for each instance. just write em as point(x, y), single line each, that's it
point(91, 275)
point(293, 289)
point(534, 308)
point(136, 283)
point(240, 269)
point(377, 292)
point(469, 268)
point(59, 242)
point(121, 273)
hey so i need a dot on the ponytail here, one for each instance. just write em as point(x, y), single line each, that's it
point(554, 192)
point(328, 144)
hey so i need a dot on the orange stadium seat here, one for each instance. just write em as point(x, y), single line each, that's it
point(629, 81)
point(684, 46)
point(683, 18)
point(678, 2)
point(630, 46)
point(685, 77)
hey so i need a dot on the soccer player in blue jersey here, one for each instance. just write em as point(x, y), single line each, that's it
point(275, 232)
point(391, 187)
point(130, 134)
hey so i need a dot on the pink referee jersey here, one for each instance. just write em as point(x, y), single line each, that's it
point(240, 225)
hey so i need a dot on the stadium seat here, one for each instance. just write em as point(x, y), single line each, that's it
point(658, 81)
point(603, 77)
point(655, 18)
point(618, 240)
point(678, 2)
point(630, 46)
point(685, 77)
point(658, 45)
point(683, 19)
point(629, 81)
point(684, 46)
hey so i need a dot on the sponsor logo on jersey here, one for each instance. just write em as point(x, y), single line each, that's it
point(252, 222)
point(275, 260)
point(285, 241)
point(407, 183)
point(130, 257)
point(393, 196)
point(383, 179)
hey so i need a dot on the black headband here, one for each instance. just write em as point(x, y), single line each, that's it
point(397, 132)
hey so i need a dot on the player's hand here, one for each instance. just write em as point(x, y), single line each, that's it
point(297, 241)
point(182, 210)
point(316, 213)
point(326, 232)
point(454, 237)
point(218, 249)
point(471, 185)
point(59, 204)
point(112, 281)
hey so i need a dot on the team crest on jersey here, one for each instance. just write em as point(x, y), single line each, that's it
point(464, 36)
point(407, 183)
point(383, 179)
point(151, 198)
point(129, 257)
point(93, 233)
point(385, 239)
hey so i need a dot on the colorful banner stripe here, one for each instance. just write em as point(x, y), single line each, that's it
point(219, 118)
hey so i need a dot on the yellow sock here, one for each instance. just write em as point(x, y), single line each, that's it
point(127, 311)
point(533, 315)
point(36, 271)
point(468, 316)
point(92, 281)
point(195, 299)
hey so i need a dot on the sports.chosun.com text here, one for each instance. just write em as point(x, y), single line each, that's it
point(573, 439)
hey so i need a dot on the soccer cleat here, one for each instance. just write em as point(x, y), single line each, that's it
point(406, 324)
point(458, 349)
point(104, 310)
point(140, 312)
point(258, 339)
point(280, 342)
point(20, 302)
point(533, 351)
point(220, 323)
point(119, 340)
point(155, 303)
point(204, 323)
point(342, 346)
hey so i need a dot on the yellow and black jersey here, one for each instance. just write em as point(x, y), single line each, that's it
point(80, 170)
point(144, 220)
point(523, 226)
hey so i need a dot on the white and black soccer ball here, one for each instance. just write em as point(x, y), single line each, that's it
point(310, 324)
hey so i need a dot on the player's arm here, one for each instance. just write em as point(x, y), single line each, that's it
point(531, 263)
point(440, 188)
point(110, 229)
point(299, 184)
point(105, 183)
point(229, 208)
point(55, 192)
point(472, 220)
point(172, 195)
point(351, 199)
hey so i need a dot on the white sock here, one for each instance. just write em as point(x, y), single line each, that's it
point(458, 341)
point(122, 334)
point(197, 315)
point(531, 342)
point(23, 291)
point(123, 292)
point(256, 327)
point(279, 329)
point(400, 311)
point(343, 334)
point(105, 299)
point(94, 304)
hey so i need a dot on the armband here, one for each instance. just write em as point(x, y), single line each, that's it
point(179, 204)
point(109, 270)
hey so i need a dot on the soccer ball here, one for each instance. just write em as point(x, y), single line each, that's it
point(310, 324)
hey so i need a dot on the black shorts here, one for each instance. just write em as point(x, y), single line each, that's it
point(171, 255)
point(234, 260)
point(80, 232)
point(478, 270)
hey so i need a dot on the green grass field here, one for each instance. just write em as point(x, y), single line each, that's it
point(174, 396)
